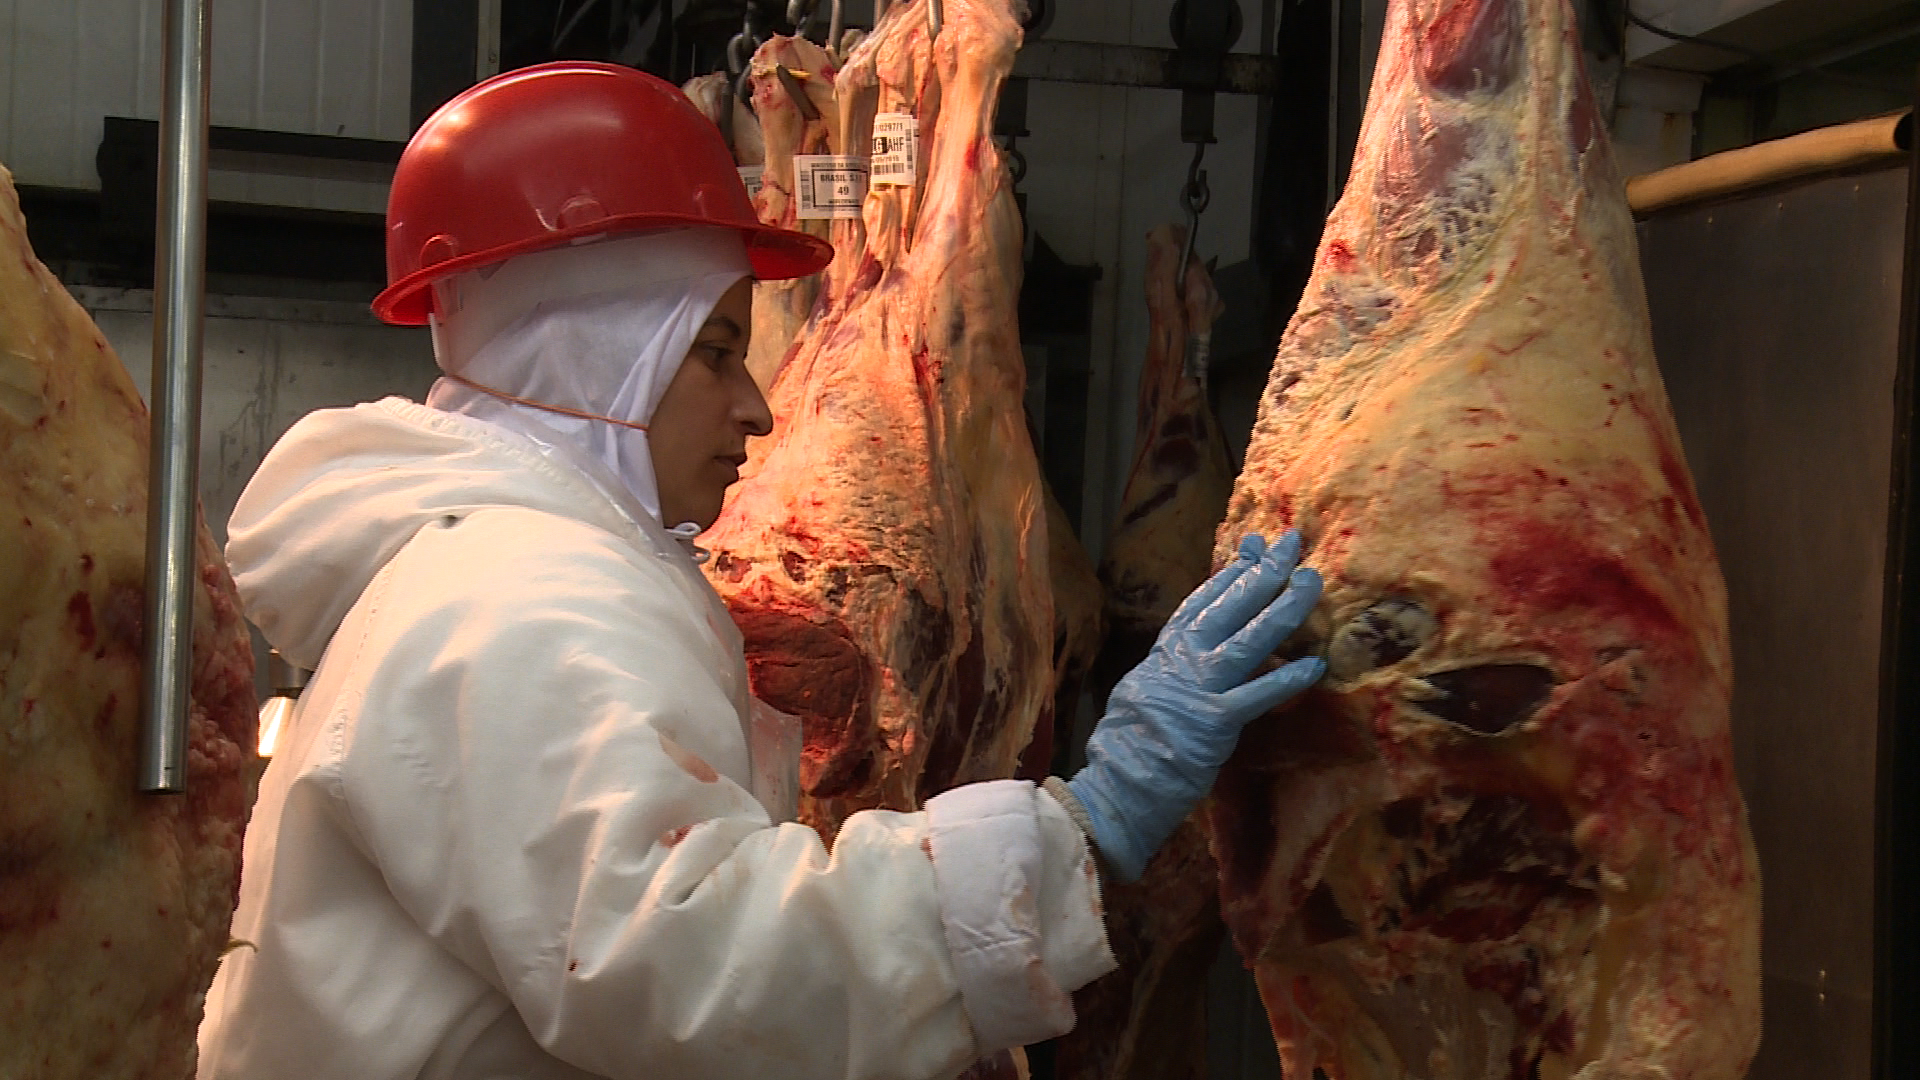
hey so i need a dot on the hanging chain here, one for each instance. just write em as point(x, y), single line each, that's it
point(740, 50)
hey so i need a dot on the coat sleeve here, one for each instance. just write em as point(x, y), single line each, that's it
point(540, 750)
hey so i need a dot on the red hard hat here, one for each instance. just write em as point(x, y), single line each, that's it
point(536, 157)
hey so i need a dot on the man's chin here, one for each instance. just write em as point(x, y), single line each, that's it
point(705, 516)
point(674, 517)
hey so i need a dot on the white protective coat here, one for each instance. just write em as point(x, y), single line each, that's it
point(513, 831)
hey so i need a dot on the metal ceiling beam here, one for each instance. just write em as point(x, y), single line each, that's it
point(1134, 65)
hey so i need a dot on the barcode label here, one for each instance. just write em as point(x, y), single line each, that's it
point(750, 176)
point(896, 148)
point(829, 186)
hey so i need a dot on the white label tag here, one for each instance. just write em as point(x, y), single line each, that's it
point(829, 186)
point(896, 148)
point(750, 176)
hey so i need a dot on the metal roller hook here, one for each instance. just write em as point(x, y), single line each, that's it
point(1194, 197)
point(796, 93)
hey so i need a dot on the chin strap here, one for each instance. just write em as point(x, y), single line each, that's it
point(541, 405)
point(685, 532)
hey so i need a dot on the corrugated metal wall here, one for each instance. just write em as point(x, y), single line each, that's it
point(321, 67)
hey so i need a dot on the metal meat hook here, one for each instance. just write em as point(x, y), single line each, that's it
point(1194, 197)
point(936, 18)
point(800, 14)
point(1016, 163)
point(791, 84)
point(835, 27)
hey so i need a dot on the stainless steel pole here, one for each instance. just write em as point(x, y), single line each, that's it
point(179, 280)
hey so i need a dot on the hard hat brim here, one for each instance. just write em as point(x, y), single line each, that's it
point(774, 253)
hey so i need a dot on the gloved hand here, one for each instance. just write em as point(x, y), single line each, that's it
point(1174, 720)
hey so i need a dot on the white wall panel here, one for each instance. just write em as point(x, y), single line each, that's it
point(323, 67)
point(267, 363)
point(41, 80)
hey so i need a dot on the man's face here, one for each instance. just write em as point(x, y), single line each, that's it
point(699, 433)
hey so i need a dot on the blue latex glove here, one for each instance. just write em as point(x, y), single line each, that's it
point(1174, 720)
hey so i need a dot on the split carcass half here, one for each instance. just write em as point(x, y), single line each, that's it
point(798, 115)
point(114, 906)
point(1176, 492)
point(1503, 838)
point(885, 552)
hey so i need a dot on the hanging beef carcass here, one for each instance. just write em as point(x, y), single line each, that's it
point(114, 905)
point(1176, 493)
point(1503, 838)
point(793, 97)
point(1079, 629)
point(1146, 1020)
point(793, 114)
point(885, 552)
point(781, 309)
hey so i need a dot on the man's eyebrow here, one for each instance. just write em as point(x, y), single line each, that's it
point(723, 322)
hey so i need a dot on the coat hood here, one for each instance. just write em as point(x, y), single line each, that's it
point(340, 494)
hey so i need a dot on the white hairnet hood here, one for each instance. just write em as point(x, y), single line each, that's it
point(600, 329)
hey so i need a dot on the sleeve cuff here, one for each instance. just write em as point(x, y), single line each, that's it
point(1072, 917)
point(1019, 903)
point(1069, 802)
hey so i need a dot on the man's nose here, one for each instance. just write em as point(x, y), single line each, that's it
point(751, 410)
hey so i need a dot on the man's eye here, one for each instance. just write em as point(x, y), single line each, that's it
point(717, 355)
